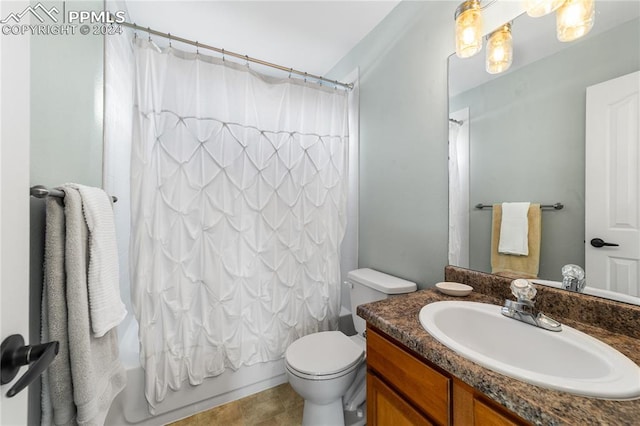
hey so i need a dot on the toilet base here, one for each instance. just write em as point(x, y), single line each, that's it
point(351, 418)
point(323, 415)
point(333, 415)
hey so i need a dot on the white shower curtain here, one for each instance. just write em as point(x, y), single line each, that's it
point(238, 202)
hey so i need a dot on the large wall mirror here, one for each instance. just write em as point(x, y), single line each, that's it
point(520, 135)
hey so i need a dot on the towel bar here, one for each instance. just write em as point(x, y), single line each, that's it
point(556, 206)
point(40, 191)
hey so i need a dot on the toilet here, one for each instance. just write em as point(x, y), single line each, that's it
point(328, 368)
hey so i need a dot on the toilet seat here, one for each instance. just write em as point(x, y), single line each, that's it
point(324, 377)
point(323, 356)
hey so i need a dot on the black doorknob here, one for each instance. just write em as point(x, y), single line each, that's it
point(14, 354)
point(599, 242)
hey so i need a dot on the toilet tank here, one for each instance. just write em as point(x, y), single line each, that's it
point(367, 285)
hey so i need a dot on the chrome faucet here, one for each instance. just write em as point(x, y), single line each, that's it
point(573, 278)
point(523, 308)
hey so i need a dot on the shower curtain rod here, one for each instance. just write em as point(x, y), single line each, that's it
point(233, 54)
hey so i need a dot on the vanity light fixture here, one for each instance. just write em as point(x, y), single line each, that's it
point(574, 19)
point(537, 8)
point(499, 50)
point(468, 29)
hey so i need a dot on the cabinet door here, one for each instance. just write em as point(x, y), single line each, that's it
point(385, 407)
point(425, 388)
point(469, 408)
point(484, 415)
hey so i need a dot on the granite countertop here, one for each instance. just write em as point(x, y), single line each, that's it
point(398, 318)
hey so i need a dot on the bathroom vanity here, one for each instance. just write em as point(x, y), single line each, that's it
point(413, 379)
point(398, 380)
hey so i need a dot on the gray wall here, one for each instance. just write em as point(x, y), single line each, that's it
point(527, 142)
point(403, 140)
point(66, 105)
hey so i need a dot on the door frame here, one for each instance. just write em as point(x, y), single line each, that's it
point(14, 201)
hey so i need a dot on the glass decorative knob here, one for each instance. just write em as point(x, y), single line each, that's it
point(573, 271)
point(573, 277)
point(523, 290)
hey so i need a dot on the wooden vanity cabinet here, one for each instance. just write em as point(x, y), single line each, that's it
point(403, 389)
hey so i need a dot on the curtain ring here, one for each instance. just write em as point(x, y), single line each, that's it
point(222, 55)
point(290, 71)
point(169, 34)
point(305, 77)
point(149, 32)
point(246, 57)
point(197, 48)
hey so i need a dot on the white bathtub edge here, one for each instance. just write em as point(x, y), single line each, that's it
point(130, 406)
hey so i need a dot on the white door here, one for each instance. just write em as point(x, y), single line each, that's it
point(14, 201)
point(612, 197)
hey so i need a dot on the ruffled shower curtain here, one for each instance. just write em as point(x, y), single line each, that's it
point(238, 202)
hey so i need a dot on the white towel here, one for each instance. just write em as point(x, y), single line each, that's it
point(106, 307)
point(514, 229)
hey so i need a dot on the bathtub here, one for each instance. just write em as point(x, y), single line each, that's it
point(130, 406)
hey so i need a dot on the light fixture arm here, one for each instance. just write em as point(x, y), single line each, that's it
point(482, 5)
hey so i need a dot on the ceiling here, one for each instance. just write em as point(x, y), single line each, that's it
point(311, 36)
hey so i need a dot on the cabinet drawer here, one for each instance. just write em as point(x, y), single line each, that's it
point(420, 384)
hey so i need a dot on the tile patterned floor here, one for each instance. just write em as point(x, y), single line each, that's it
point(278, 406)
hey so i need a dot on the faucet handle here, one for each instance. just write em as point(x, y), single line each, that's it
point(573, 271)
point(573, 278)
point(523, 290)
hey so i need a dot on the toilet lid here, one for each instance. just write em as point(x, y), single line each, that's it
point(323, 353)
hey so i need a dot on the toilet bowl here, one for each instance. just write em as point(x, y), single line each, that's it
point(328, 368)
point(322, 376)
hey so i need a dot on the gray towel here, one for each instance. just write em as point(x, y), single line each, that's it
point(55, 317)
point(45, 398)
point(89, 367)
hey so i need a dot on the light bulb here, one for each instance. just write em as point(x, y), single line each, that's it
point(537, 8)
point(468, 29)
point(499, 50)
point(498, 54)
point(574, 19)
point(469, 35)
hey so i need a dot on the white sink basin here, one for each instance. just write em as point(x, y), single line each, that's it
point(568, 360)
